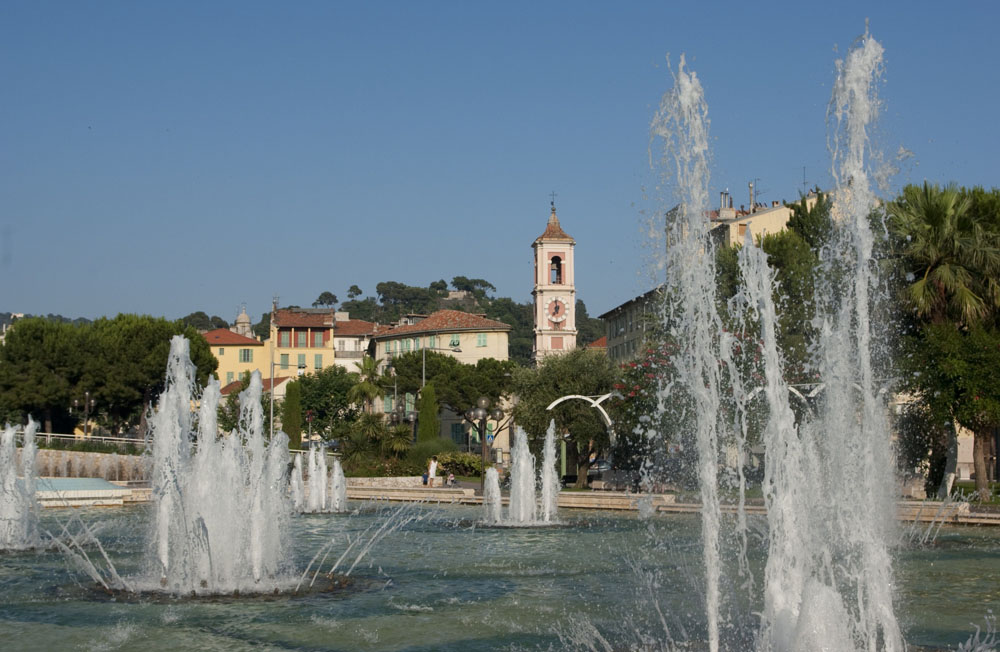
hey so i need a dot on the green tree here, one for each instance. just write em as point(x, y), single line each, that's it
point(950, 248)
point(582, 372)
point(262, 329)
point(41, 364)
point(326, 394)
point(952, 255)
point(457, 386)
point(814, 225)
point(291, 414)
point(354, 292)
point(588, 328)
point(369, 386)
point(429, 423)
point(326, 298)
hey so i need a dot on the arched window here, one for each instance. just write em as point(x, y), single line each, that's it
point(555, 271)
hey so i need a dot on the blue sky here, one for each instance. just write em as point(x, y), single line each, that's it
point(165, 158)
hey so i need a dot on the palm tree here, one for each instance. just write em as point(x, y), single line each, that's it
point(370, 384)
point(953, 257)
point(953, 262)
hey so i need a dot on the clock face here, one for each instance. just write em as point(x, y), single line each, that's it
point(556, 309)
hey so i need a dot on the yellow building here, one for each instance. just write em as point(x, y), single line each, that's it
point(236, 354)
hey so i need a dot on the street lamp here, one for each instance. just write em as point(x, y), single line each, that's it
point(477, 417)
point(399, 415)
point(88, 405)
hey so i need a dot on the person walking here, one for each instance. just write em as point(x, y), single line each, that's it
point(431, 470)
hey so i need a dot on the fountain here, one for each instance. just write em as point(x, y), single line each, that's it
point(493, 509)
point(18, 508)
point(317, 482)
point(219, 503)
point(813, 573)
point(828, 482)
point(522, 508)
point(337, 491)
point(550, 477)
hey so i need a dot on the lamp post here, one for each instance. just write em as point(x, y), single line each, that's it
point(477, 416)
point(400, 415)
point(88, 405)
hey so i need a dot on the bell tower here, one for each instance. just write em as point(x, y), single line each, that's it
point(554, 291)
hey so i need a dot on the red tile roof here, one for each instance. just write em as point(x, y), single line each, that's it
point(446, 321)
point(226, 337)
point(236, 384)
point(302, 318)
point(599, 343)
point(553, 231)
point(354, 327)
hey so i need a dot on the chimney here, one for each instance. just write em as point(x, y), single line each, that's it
point(752, 204)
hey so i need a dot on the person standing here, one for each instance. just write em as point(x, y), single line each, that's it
point(431, 470)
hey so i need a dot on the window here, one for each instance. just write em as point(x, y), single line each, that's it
point(388, 348)
point(454, 341)
point(432, 341)
point(284, 361)
point(416, 343)
point(405, 345)
point(340, 345)
point(387, 403)
point(246, 355)
point(284, 339)
point(318, 339)
point(301, 339)
point(222, 351)
point(409, 402)
point(458, 433)
point(229, 377)
point(319, 361)
point(481, 339)
point(302, 361)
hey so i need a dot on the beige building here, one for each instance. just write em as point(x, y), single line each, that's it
point(729, 225)
point(464, 336)
point(625, 325)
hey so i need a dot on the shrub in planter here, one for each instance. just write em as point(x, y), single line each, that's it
point(461, 463)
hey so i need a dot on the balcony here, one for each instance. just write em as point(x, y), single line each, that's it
point(350, 355)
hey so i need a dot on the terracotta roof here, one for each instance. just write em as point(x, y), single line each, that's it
point(350, 327)
point(447, 321)
point(553, 231)
point(265, 382)
point(302, 317)
point(226, 337)
point(599, 343)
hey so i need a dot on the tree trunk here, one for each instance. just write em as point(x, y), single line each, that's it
point(980, 444)
point(951, 463)
point(582, 466)
point(48, 421)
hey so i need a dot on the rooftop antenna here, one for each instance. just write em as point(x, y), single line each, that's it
point(805, 184)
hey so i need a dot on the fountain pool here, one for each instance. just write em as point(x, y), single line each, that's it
point(436, 585)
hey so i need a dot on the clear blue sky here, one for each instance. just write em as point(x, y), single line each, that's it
point(170, 157)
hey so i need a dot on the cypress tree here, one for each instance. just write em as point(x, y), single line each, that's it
point(429, 425)
point(291, 414)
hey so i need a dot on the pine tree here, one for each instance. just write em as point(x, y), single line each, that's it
point(291, 414)
point(429, 424)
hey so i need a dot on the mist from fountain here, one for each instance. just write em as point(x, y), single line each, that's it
point(18, 507)
point(828, 482)
point(220, 507)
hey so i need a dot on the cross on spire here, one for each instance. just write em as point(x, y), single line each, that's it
point(553, 202)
